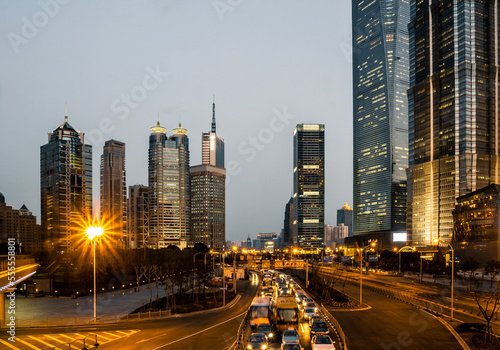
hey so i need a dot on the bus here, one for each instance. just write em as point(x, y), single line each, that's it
point(259, 311)
point(286, 312)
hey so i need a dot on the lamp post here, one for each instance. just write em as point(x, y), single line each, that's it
point(437, 240)
point(92, 233)
point(361, 278)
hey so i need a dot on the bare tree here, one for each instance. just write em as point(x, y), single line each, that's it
point(489, 309)
point(139, 272)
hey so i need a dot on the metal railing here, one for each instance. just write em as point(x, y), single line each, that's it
point(336, 326)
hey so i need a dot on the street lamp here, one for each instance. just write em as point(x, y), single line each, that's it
point(437, 240)
point(93, 232)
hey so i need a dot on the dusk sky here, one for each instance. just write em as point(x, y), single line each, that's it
point(122, 64)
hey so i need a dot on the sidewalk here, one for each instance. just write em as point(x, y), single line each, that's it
point(108, 304)
point(458, 282)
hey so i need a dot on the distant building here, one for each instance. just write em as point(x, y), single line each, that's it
point(267, 241)
point(169, 193)
point(340, 232)
point(256, 244)
point(249, 242)
point(477, 225)
point(329, 237)
point(138, 216)
point(208, 193)
point(344, 216)
point(65, 186)
point(309, 186)
point(288, 239)
point(20, 225)
point(114, 191)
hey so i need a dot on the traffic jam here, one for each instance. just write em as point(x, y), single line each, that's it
point(283, 316)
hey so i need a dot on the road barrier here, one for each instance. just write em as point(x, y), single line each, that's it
point(335, 325)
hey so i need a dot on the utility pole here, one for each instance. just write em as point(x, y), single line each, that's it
point(234, 273)
point(223, 281)
point(307, 273)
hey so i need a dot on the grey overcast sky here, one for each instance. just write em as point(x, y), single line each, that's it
point(270, 63)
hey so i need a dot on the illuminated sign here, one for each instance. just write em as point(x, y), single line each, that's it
point(399, 237)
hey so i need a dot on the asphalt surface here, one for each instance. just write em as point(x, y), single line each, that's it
point(391, 324)
point(206, 330)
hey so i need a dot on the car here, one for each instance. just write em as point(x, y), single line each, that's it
point(314, 318)
point(307, 300)
point(257, 341)
point(311, 305)
point(319, 328)
point(266, 329)
point(322, 342)
point(308, 312)
point(290, 336)
point(38, 294)
point(291, 346)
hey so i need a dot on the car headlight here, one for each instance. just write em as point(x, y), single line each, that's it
point(264, 346)
point(271, 335)
point(249, 346)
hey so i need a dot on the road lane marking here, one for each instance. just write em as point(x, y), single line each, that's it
point(41, 341)
point(143, 340)
point(26, 343)
point(113, 335)
point(57, 340)
point(10, 346)
point(67, 336)
point(110, 340)
point(125, 332)
point(204, 330)
point(102, 336)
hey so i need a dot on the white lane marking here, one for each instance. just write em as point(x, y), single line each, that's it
point(143, 340)
point(204, 330)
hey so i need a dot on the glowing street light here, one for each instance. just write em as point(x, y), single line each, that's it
point(93, 232)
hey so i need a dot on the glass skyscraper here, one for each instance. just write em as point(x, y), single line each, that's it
point(65, 186)
point(309, 186)
point(380, 114)
point(169, 194)
point(453, 100)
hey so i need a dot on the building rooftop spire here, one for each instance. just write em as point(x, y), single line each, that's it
point(158, 128)
point(213, 116)
point(180, 130)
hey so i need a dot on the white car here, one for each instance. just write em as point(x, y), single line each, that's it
point(290, 336)
point(322, 342)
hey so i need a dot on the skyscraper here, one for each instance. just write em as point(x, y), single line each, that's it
point(344, 216)
point(212, 146)
point(288, 239)
point(380, 114)
point(138, 216)
point(114, 190)
point(208, 193)
point(169, 193)
point(453, 120)
point(309, 185)
point(66, 186)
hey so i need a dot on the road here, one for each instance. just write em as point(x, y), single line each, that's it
point(205, 330)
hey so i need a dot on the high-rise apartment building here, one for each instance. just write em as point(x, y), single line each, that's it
point(169, 193)
point(114, 191)
point(344, 216)
point(66, 186)
point(380, 114)
point(288, 239)
point(20, 225)
point(208, 193)
point(138, 216)
point(453, 104)
point(309, 185)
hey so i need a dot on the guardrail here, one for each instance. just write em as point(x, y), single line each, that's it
point(336, 326)
point(238, 344)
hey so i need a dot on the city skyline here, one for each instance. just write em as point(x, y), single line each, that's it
point(180, 68)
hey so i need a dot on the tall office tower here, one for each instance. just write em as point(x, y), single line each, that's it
point(344, 216)
point(208, 193)
point(20, 225)
point(380, 114)
point(212, 146)
point(138, 216)
point(169, 194)
point(114, 191)
point(453, 100)
point(309, 185)
point(288, 224)
point(66, 186)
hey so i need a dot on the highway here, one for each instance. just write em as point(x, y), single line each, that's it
point(204, 330)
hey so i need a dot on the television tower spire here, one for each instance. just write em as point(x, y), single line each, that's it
point(213, 115)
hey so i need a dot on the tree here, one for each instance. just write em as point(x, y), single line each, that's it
point(490, 307)
point(492, 268)
point(201, 247)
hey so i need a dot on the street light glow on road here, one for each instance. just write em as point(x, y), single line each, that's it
point(94, 231)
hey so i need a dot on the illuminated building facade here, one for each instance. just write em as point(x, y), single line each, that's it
point(20, 225)
point(114, 191)
point(453, 104)
point(169, 194)
point(380, 114)
point(309, 185)
point(66, 186)
point(138, 216)
point(477, 225)
point(208, 193)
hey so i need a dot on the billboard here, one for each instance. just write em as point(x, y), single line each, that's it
point(372, 258)
point(345, 258)
point(399, 237)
